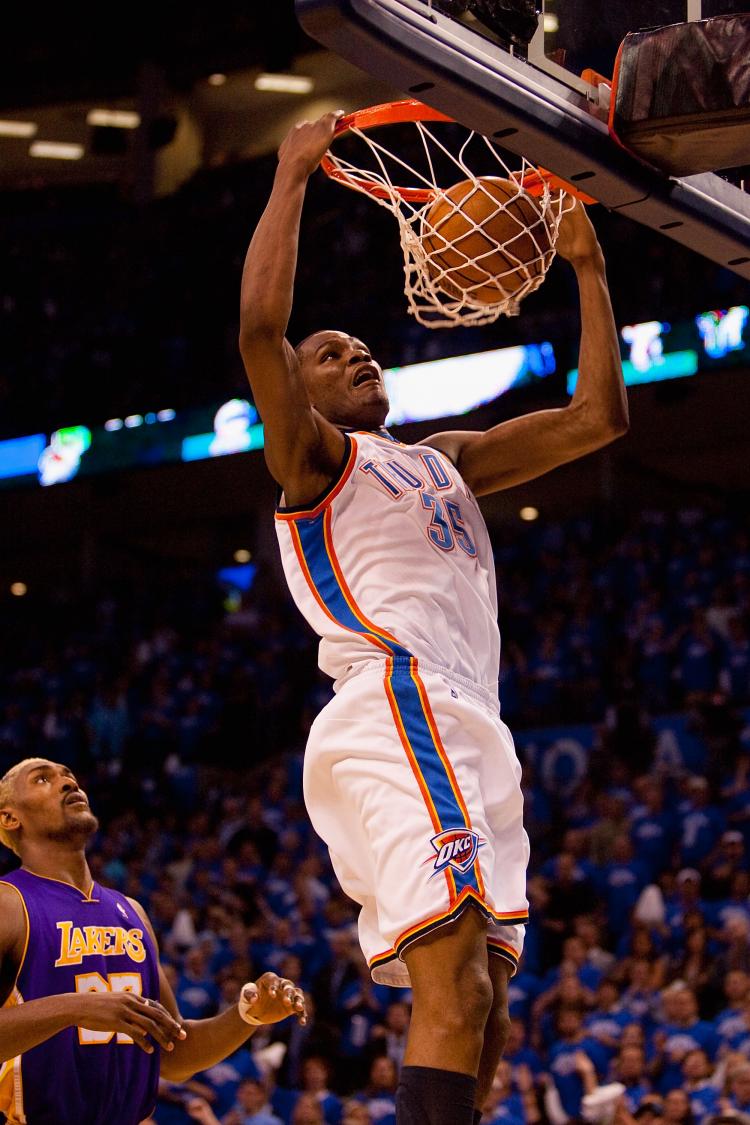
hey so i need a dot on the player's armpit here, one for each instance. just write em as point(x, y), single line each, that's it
point(523, 448)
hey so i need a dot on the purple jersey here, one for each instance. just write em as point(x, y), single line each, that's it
point(79, 943)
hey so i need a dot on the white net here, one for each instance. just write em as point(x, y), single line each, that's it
point(473, 248)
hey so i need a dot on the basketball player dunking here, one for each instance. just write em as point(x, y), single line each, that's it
point(410, 775)
point(89, 1020)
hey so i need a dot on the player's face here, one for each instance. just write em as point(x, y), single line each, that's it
point(343, 380)
point(50, 806)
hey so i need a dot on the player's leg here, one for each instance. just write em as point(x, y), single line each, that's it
point(496, 1029)
point(452, 997)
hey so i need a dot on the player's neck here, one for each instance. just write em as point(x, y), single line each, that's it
point(61, 862)
point(365, 429)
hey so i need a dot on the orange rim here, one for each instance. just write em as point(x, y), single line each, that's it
point(390, 113)
point(396, 113)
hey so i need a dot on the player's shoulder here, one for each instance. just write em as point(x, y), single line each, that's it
point(12, 900)
point(142, 914)
point(13, 919)
point(137, 907)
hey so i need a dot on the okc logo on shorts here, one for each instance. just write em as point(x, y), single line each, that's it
point(456, 848)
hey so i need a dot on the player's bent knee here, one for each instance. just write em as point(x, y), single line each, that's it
point(460, 999)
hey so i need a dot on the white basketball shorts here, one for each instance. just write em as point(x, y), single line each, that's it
point(412, 780)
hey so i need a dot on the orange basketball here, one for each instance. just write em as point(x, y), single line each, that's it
point(479, 251)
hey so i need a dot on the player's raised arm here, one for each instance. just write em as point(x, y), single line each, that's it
point(527, 447)
point(303, 451)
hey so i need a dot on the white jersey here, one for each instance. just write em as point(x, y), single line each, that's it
point(394, 559)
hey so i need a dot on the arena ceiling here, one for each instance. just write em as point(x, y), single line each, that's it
point(160, 62)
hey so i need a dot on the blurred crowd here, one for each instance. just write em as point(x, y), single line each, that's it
point(108, 309)
point(185, 716)
point(649, 615)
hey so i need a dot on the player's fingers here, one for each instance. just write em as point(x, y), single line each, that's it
point(139, 1037)
point(271, 983)
point(157, 1011)
point(164, 1035)
point(299, 1005)
point(250, 994)
point(288, 992)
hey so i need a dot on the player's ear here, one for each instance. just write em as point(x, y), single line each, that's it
point(9, 821)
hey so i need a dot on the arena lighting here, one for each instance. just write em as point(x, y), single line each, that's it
point(216, 79)
point(242, 556)
point(551, 22)
point(284, 83)
point(18, 128)
point(443, 388)
point(18, 589)
point(56, 150)
point(114, 118)
point(528, 515)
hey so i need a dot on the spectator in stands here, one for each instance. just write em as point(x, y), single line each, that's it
point(509, 1105)
point(653, 829)
point(739, 1088)
point(697, 1084)
point(702, 823)
point(607, 1020)
point(639, 997)
point(732, 1019)
point(379, 1096)
point(251, 1108)
point(630, 1069)
point(197, 994)
point(694, 964)
point(575, 1061)
point(680, 1032)
point(677, 1109)
point(620, 883)
point(734, 942)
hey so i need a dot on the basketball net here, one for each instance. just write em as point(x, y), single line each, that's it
point(433, 297)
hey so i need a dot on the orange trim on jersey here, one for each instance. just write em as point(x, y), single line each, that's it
point(414, 932)
point(297, 544)
point(408, 748)
point(423, 788)
point(348, 596)
point(393, 442)
point(311, 513)
point(432, 725)
point(503, 949)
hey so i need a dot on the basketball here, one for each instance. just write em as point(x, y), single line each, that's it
point(485, 240)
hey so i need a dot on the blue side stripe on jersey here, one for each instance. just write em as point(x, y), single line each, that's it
point(312, 539)
point(428, 759)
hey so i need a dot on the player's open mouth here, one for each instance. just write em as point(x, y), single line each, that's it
point(75, 799)
point(366, 375)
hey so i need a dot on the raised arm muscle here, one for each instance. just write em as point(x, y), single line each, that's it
point(302, 449)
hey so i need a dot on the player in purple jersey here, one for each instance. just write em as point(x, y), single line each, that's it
point(88, 1020)
point(309, 398)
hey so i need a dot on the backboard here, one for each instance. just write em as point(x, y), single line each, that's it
point(540, 104)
